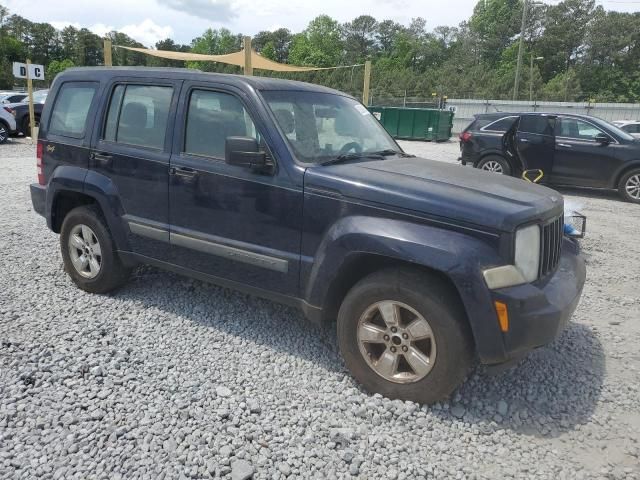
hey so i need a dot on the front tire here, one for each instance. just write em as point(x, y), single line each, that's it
point(88, 252)
point(495, 164)
point(629, 186)
point(404, 334)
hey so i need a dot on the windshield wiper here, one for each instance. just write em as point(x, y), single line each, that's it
point(345, 157)
point(390, 151)
point(354, 156)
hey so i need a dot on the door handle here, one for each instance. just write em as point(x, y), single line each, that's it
point(524, 140)
point(101, 157)
point(184, 172)
point(564, 145)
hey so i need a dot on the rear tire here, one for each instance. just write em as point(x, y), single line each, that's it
point(88, 252)
point(495, 164)
point(430, 352)
point(4, 133)
point(629, 186)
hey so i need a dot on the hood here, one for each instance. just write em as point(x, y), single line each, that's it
point(439, 190)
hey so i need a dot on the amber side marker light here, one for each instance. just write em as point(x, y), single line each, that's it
point(503, 315)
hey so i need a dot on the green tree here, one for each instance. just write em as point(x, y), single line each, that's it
point(565, 30)
point(57, 66)
point(269, 51)
point(496, 23)
point(360, 38)
point(215, 42)
point(564, 87)
point(319, 45)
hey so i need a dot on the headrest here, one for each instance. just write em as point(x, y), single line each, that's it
point(285, 120)
point(134, 113)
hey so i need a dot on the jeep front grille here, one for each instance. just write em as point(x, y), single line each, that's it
point(551, 245)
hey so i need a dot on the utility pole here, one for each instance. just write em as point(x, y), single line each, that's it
point(531, 77)
point(33, 133)
point(108, 59)
point(367, 82)
point(248, 68)
point(520, 47)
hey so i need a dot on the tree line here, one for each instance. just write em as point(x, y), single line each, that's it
point(581, 52)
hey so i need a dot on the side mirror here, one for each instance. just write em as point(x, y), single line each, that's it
point(244, 152)
point(602, 139)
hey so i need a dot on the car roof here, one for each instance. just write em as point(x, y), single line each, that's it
point(255, 82)
point(497, 115)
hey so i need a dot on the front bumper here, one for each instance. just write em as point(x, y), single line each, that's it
point(539, 312)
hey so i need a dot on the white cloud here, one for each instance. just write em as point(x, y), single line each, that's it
point(147, 32)
point(101, 29)
point(63, 24)
point(215, 10)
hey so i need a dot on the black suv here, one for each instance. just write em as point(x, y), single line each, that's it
point(571, 150)
point(295, 192)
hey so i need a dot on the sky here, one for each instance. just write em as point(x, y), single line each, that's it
point(182, 20)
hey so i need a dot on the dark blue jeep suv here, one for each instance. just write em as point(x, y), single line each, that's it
point(295, 192)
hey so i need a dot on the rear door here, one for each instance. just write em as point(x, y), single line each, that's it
point(132, 151)
point(534, 143)
point(579, 158)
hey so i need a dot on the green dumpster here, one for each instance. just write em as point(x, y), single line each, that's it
point(415, 123)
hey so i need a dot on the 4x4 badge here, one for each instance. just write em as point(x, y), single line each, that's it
point(51, 148)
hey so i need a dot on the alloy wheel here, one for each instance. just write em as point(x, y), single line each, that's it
point(85, 251)
point(492, 166)
point(632, 186)
point(3, 133)
point(396, 342)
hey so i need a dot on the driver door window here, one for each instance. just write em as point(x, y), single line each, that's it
point(576, 129)
point(211, 118)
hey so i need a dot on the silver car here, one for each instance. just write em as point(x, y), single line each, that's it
point(632, 127)
point(7, 123)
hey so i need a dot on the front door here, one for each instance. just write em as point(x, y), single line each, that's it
point(579, 158)
point(227, 220)
point(534, 142)
point(132, 153)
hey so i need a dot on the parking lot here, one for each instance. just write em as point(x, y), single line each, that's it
point(173, 378)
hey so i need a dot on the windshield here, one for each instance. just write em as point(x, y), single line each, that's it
point(322, 126)
point(39, 97)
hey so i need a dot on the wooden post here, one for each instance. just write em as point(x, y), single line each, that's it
point(367, 82)
point(32, 119)
point(108, 59)
point(248, 69)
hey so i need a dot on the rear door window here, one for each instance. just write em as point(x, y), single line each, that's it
point(71, 108)
point(138, 115)
point(537, 124)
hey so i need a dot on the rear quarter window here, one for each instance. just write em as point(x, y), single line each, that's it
point(71, 109)
point(501, 125)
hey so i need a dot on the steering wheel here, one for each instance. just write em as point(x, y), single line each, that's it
point(355, 146)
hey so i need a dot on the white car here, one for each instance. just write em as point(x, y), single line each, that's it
point(12, 97)
point(7, 123)
point(632, 127)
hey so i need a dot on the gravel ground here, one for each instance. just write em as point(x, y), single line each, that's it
point(174, 378)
